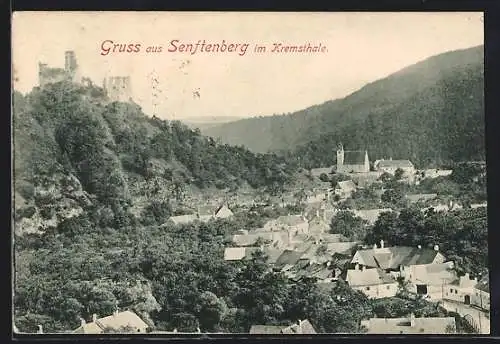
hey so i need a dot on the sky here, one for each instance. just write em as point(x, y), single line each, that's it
point(360, 47)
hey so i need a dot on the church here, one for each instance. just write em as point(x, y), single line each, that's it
point(352, 161)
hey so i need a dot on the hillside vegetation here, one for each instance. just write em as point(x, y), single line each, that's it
point(431, 112)
point(73, 148)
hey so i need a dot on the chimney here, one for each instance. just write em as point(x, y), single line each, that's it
point(436, 247)
point(40, 329)
point(412, 320)
point(374, 246)
point(363, 268)
point(175, 330)
point(381, 243)
point(82, 321)
point(356, 267)
point(467, 276)
point(94, 317)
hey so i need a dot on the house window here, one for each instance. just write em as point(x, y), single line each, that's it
point(456, 291)
point(451, 291)
point(388, 287)
point(367, 288)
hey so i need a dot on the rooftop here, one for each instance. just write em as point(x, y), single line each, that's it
point(368, 277)
point(395, 256)
point(405, 326)
point(354, 157)
point(394, 164)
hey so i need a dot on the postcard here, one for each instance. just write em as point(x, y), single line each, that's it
point(255, 173)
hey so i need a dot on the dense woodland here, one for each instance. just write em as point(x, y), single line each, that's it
point(431, 113)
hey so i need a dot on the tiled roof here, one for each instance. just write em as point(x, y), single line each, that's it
point(354, 157)
point(434, 274)
point(368, 277)
point(288, 257)
point(403, 325)
point(89, 328)
point(251, 238)
point(395, 164)
point(239, 253)
point(122, 319)
point(272, 254)
point(265, 329)
point(393, 257)
point(115, 321)
point(305, 327)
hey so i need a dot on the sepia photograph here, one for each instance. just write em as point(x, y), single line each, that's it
point(257, 173)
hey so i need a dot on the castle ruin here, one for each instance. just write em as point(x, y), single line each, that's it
point(48, 75)
point(118, 88)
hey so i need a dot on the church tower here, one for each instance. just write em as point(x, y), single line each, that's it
point(340, 157)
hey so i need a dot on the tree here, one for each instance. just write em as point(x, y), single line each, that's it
point(349, 225)
point(393, 196)
point(324, 177)
point(185, 322)
point(211, 310)
point(398, 174)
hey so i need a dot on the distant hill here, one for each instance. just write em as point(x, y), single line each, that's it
point(204, 123)
point(430, 112)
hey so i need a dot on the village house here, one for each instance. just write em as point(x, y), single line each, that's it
point(344, 189)
point(469, 291)
point(374, 283)
point(293, 223)
point(301, 327)
point(203, 214)
point(443, 207)
point(416, 198)
point(390, 166)
point(240, 253)
point(207, 213)
point(182, 219)
point(410, 325)
point(429, 279)
point(397, 258)
point(115, 322)
point(481, 296)
point(352, 161)
point(435, 173)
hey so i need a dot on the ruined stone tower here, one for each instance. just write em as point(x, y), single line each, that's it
point(118, 88)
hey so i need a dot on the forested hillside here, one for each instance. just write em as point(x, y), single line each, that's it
point(430, 112)
point(69, 134)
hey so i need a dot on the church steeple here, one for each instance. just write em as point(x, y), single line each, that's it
point(340, 157)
